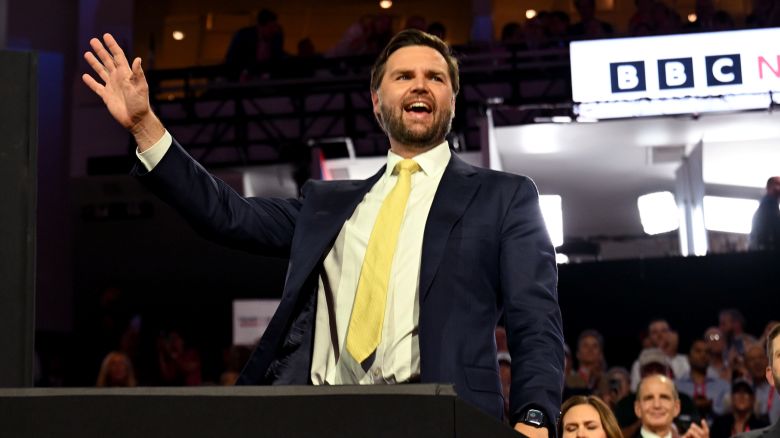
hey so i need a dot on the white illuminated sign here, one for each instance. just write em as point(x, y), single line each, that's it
point(692, 69)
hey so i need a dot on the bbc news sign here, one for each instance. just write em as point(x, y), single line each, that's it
point(676, 66)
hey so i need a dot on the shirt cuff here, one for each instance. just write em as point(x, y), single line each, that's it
point(152, 156)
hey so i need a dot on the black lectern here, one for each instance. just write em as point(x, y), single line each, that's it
point(398, 411)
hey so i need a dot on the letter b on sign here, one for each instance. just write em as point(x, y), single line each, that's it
point(675, 73)
point(627, 76)
point(723, 70)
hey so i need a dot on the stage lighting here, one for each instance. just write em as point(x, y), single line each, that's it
point(731, 215)
point(658, 212)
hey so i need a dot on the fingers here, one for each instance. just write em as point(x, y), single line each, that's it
point(698, 432)
point(93, 84)
point(116, 51)
point(102, 54)
point(96, 65)
point(138, 72)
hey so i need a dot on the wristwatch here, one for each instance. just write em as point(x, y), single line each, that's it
point(533, 417)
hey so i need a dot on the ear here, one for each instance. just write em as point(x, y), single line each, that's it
point(637, 411)
point(676, 408)
point(375, 100)
point(770, 377)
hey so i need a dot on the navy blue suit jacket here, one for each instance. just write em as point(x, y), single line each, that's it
point(485, 250)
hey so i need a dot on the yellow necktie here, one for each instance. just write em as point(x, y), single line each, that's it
point(368, 312)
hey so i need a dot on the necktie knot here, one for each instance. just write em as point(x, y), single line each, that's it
point(407, 165)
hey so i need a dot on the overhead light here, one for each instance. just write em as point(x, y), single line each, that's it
point(552, 213)
point(561, 258)
point(730, 215)
point(385, 4)
point(658, 212)
point(178, 35)
point(530, 14)
point(692, 18)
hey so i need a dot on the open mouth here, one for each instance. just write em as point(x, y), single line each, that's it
point(418, 107)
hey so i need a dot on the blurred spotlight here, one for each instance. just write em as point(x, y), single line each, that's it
point(529, 14)
point(385, 4)
point(692, 18)
point(658, 212)
point(730, 215)
point(178, 35)
point(561, 259)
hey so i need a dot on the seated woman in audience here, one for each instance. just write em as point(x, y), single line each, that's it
point(116, 371)
point(589, 417)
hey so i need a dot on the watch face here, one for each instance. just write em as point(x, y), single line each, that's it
point(534, 417)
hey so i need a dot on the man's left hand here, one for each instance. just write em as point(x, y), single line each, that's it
point(533, 432)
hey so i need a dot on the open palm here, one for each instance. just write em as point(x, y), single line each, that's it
point(124, 89)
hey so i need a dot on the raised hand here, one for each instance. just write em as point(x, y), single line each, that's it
point(124, 90)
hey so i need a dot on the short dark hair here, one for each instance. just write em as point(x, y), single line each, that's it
point(775, 332)
point(591, 333)
point(734, 314)
point(414, 37)
point(265, 16)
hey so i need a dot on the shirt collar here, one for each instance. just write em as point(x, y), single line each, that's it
point(647, 434)
point(432, 162)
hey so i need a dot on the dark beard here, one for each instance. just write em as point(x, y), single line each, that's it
point(393, 124)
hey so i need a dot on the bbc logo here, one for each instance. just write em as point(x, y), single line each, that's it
point(675, 73)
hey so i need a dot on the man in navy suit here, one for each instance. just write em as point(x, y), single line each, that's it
point(471, 245)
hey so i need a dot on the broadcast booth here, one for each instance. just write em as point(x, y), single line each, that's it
point(666, 148)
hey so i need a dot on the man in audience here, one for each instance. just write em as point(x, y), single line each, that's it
point(708, 392)
point(741, 419)
point(652, 361)
point(755, 370)
point(716, 348)
point(773, 377)
point(732, 324)
point(657, 404)
point(765, 234)
point(615, 387)
point(589, 26)
point(660, 336)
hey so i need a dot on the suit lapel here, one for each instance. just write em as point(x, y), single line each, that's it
point(330, 209)
point(456, 188)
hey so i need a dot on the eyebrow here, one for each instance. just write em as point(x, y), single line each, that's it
point(429, 72)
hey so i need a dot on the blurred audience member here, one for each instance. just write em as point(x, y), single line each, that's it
point(437, 29)
point(705, 16)
point(558, 29)
point(742, 418)
point(722, 20)
point(250, 46)
point(234, 359)
point(587, 417)
point(359, 38)
point(657, 405)
point(716, 348)
point(615, 386)
point(179, 365)
point(512, 33)
point(661, 336)
point(731, 324)
point(590, 358)
point(116, 371)
point(765, 13)
point(642, 22)
point(773, 376)
point(709, 393)
point(765, 234)
point(665, 19)
point(534, 33)
point(416, 22)
point(589, 26)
